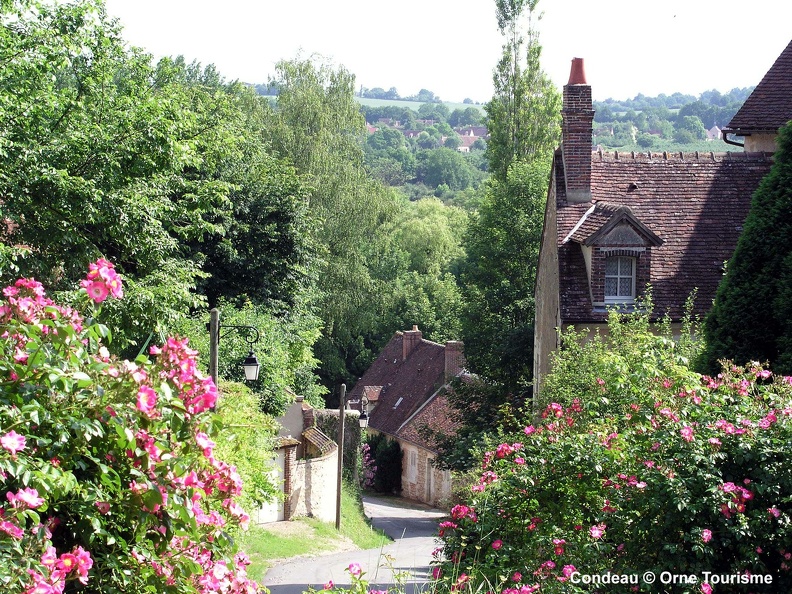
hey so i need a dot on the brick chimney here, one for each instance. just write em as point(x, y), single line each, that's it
point(577, 117)
point(410, 340)
point(454, 359)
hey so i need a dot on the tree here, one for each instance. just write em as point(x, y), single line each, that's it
point(693, 125)
point(453, 141)
point(317, 125)
point(426, 96)
point(523, 116)
point(445, 166)
point(470, 116)
point(498, 276)
point(103, 156)
point(161, 169)
point(751, 318)
point(434, 111)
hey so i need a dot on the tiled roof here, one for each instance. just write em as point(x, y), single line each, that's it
point(769, 107)
point(319, 440)
point(602, 217)
point(695, 203)
point(436, 415)
point(406, 385)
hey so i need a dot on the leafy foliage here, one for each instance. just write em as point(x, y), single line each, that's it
point(387, 456)
point(750, 319)
point(502, 244)
point(523, 116)
point(107, 465)
point(636, 464)
point(160, 168)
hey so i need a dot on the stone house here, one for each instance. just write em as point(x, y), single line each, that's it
point(406, 389)
point(617, 222)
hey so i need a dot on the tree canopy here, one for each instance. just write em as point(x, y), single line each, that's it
point(750, 318)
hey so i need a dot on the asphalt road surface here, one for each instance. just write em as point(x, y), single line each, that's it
point(413, 528)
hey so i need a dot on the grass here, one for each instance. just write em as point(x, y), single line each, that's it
point(309, 536)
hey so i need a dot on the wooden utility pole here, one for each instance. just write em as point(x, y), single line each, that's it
point(341, 419)
point(214, 342)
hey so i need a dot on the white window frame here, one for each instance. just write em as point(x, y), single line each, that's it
point(626, 299)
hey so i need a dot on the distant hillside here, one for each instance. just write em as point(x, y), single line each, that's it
point(414, 105)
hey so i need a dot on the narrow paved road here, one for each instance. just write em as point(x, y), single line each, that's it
point(413, 528)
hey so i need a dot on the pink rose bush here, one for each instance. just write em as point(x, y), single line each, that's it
point(108, 474)
point(633, 463)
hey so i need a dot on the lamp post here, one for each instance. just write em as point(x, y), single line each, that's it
point(364, 418)
point(251, 335)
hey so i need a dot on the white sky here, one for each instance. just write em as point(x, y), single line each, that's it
point(451, 46)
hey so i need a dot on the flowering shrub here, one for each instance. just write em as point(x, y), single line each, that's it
point(688, 474)
point(106, 466)
point(368, 467)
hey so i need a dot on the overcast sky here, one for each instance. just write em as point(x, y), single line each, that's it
point(451, 46)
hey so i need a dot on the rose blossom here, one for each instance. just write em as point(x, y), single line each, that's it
point(13, 442)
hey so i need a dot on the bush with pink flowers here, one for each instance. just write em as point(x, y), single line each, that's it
point(107, 472)
point(644, 467)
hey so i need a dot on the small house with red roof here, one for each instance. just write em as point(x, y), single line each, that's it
point(616, 223)
point(406, 390)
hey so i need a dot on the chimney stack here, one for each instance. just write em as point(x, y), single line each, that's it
point(454, 359)
point(577, 118)
point(410, 339)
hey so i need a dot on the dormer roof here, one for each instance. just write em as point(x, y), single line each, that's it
point(606, 223)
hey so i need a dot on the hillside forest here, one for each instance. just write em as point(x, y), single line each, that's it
point(326, 223)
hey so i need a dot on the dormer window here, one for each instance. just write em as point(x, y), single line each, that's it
point(617, 252)
point(619, 279)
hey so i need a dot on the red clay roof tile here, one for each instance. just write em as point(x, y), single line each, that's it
point(696, 203)
point(769, 106)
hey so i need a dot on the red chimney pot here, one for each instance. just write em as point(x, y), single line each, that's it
point(577, 75)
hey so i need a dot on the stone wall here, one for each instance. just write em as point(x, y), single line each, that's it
point(314, 487)
point(548, 316)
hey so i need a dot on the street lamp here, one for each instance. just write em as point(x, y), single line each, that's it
point(251, 366)
point(364, 419)
point(251, 335)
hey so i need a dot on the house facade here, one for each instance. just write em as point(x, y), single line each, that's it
point(617, 222)
point(406, 389)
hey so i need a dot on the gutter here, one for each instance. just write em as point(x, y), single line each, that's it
point(725, 136)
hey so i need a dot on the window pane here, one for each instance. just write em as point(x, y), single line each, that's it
point(612, 266)
point(625, 287)
point(610, 287)
point(625, 268)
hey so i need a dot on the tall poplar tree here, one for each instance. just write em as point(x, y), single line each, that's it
point(503, 237)
point(523, 116)
point(502, 240)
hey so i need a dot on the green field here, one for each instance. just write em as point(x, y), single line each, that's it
point(414, 105)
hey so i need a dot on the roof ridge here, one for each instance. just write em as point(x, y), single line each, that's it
point(680, 156)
